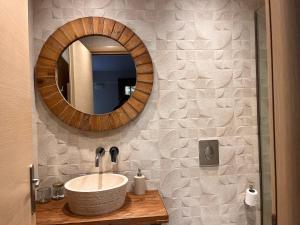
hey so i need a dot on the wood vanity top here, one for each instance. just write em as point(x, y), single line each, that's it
point(137, 210)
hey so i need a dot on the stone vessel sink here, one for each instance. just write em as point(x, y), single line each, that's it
point(96, 194)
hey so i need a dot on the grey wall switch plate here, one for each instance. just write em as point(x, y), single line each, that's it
point(209, 152)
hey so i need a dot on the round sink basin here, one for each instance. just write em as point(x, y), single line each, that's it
point(96, 194)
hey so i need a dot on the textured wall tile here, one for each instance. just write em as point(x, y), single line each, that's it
point(97, 3)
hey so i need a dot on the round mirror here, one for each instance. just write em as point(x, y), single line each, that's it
point(96, 74)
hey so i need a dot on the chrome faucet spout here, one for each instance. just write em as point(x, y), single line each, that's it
point(99, 153)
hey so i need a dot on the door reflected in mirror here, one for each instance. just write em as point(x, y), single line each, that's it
point(96, 74)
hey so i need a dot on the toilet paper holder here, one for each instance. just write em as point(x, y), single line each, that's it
point(251, 188)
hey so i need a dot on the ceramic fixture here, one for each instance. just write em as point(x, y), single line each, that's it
point(96, 194)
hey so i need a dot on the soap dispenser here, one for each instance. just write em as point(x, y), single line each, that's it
point(139, 183)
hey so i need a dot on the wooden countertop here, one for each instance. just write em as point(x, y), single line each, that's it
point(137, 210)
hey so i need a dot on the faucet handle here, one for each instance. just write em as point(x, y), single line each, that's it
point(100, 151)
point(114, 152)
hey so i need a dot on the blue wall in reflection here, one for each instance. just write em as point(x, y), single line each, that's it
point(107, 71)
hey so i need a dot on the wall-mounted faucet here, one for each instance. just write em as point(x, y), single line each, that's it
point(114, 152)
point(100, 151)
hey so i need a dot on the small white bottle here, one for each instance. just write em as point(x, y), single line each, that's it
point(139, 183)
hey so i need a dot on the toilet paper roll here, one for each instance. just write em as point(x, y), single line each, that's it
point(251, 197)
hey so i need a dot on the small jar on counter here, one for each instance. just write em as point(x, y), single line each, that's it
point(58, 190)
point(43, 194)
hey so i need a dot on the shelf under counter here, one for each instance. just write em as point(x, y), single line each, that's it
point(137, 210)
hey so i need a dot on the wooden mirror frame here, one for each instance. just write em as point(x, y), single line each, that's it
point(64, 36)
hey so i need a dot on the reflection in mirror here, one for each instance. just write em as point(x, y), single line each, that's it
point(96, 74)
